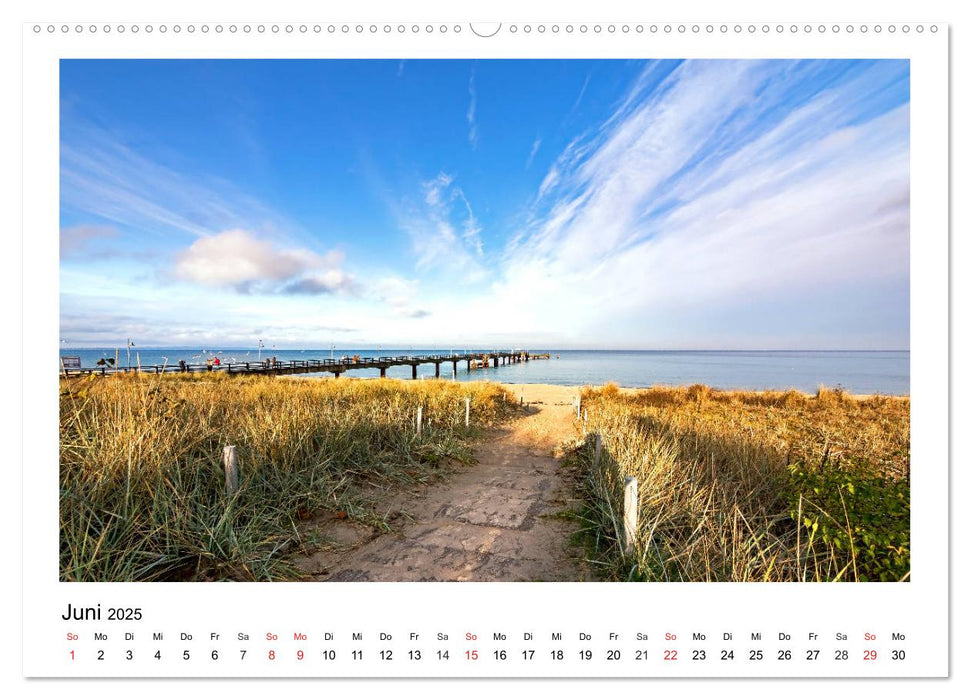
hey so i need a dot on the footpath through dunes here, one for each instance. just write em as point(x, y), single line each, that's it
point(499, 519)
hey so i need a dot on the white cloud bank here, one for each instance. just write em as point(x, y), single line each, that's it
point(240, 260)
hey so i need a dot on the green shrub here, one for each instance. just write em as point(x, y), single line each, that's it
point(862, 517)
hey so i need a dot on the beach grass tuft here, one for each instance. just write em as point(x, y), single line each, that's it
point(143, 494)
point(750, 486)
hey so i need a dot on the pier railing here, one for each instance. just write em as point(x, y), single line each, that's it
point(336, 366)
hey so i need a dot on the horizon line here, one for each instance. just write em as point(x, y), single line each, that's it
point(367, 346)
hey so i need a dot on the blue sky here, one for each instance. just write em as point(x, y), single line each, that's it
point(624, 204)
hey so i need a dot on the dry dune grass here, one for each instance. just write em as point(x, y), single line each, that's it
point(742, 486)
point(142, 486)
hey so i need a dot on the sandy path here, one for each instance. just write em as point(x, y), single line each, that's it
point(489, 521)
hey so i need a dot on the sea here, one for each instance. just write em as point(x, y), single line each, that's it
point(857, 372)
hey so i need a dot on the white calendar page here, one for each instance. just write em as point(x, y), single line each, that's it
point(505, 627)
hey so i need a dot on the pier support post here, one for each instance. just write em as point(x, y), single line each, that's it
point(414, 371)
point(495, 362)
point(337, 375)
point(468, 365)
point(438, 370)
point(630, 513)
point(384, 372)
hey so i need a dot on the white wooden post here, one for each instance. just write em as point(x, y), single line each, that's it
point(467, 402)
point(578, 408)
point(418, 420)
point(630, 513)
point(232, 474)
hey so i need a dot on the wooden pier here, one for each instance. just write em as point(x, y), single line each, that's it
point(335, 366)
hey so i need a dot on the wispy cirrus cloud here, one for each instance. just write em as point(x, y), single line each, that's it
point(533, 151)
point(104, 177)
point(445, 232)
point(470, 113)
point(713, 185)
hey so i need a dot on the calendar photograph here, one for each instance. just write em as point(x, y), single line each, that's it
point(484, 320)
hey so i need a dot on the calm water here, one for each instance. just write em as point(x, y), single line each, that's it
point(885, 372)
